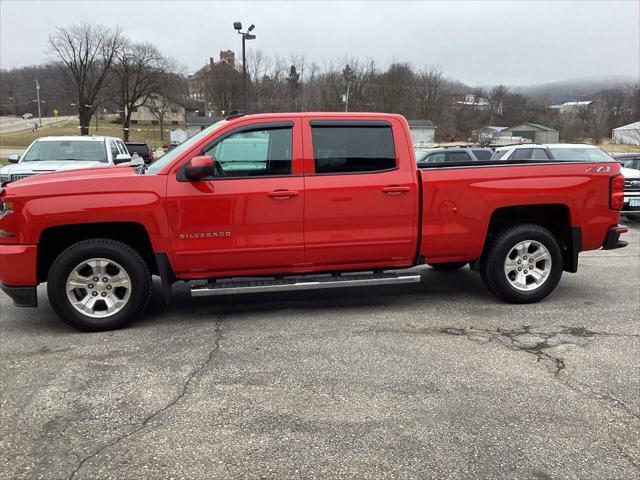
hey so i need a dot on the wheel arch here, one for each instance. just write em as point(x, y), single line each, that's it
point(54, 240)
point(555, 217)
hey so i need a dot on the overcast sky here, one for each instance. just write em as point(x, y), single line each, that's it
point(479, 42)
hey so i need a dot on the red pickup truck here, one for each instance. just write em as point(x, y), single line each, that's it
point(297, 201)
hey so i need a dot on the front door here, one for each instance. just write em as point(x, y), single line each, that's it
point(361, 203)
point(247, 218)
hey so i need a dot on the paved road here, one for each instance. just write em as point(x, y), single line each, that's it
point(15, 124)
point(438, 380)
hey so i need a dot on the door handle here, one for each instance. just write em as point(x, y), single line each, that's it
point(282, 194)
point(395, 190)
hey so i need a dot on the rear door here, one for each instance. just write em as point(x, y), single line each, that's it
point(360, 194)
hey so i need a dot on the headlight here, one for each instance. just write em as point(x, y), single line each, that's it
point(4, 178)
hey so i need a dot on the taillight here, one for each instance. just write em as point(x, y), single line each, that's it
point(616, 192)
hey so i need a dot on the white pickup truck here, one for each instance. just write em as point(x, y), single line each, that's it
point(54, 154)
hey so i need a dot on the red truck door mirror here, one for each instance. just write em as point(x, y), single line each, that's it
point(199, 168)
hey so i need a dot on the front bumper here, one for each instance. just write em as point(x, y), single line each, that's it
point(18, 273)
point(613, 238)
point(628, 196)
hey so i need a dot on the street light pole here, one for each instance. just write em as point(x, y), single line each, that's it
point(346, 103)
point(244, 76)
point(38, 98)
point(245, 36)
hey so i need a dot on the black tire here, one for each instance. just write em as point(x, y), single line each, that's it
point(492, 266)
point(447, 267)
point(118, 252)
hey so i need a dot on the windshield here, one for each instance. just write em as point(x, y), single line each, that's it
point(420, 154)
point(634, 164)
point(171, 155)
point(66, 150)
point(579, 154)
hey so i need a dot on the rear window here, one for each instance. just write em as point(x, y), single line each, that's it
point(579, 154)
point(137, 148)
point(482, 154)
point(351, 149)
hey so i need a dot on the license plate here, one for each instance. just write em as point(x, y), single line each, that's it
point(634, 202)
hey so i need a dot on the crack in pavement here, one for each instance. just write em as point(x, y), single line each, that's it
point(625, 454)
point(533, 342)
point(185, 386)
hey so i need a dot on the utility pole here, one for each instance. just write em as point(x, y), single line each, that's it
point(38, 99)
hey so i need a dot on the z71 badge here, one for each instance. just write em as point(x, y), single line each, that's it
point(195, 236)
point(598, 169)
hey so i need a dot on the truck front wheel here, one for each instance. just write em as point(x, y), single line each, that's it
point(99, 284)
point(523, 264)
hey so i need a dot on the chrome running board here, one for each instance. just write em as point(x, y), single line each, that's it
point(309, 282)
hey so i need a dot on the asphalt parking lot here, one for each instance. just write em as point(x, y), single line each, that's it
point(437, 380)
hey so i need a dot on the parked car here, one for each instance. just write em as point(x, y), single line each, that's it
point(297, 202)
point(170, 145)
point(142, 149)
point(552, 151)
point(628, 160)
point(27, 116)
point(581, 153)
point(452, 154)
point(53, 154)
point(527, 151)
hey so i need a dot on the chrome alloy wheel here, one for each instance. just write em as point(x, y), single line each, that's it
point(98, 288)
point(527, 265)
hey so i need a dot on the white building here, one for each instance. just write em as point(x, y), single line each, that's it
point(627, 134)
point(423, 132)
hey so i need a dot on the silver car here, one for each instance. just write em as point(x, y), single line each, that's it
point(54, 154)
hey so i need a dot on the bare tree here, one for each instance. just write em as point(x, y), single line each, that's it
point(86, 53)
point(139, 70)
point(430, 92)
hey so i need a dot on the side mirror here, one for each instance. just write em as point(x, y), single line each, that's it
point(122, 158)
point(14, 158)
point(199, 168)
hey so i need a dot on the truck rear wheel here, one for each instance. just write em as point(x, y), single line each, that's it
point(98, 285)
point(447, 267)
point(523, 264)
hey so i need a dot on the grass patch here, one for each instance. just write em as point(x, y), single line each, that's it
point(4, 161)
point(138, 133)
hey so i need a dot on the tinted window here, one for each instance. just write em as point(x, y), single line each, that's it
point(254, 153)
point(499, 154)
point(539, 154)
point(482, 154)
point(458, 157)
point(139, 148)
point(521, 154)
point(346, 149)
